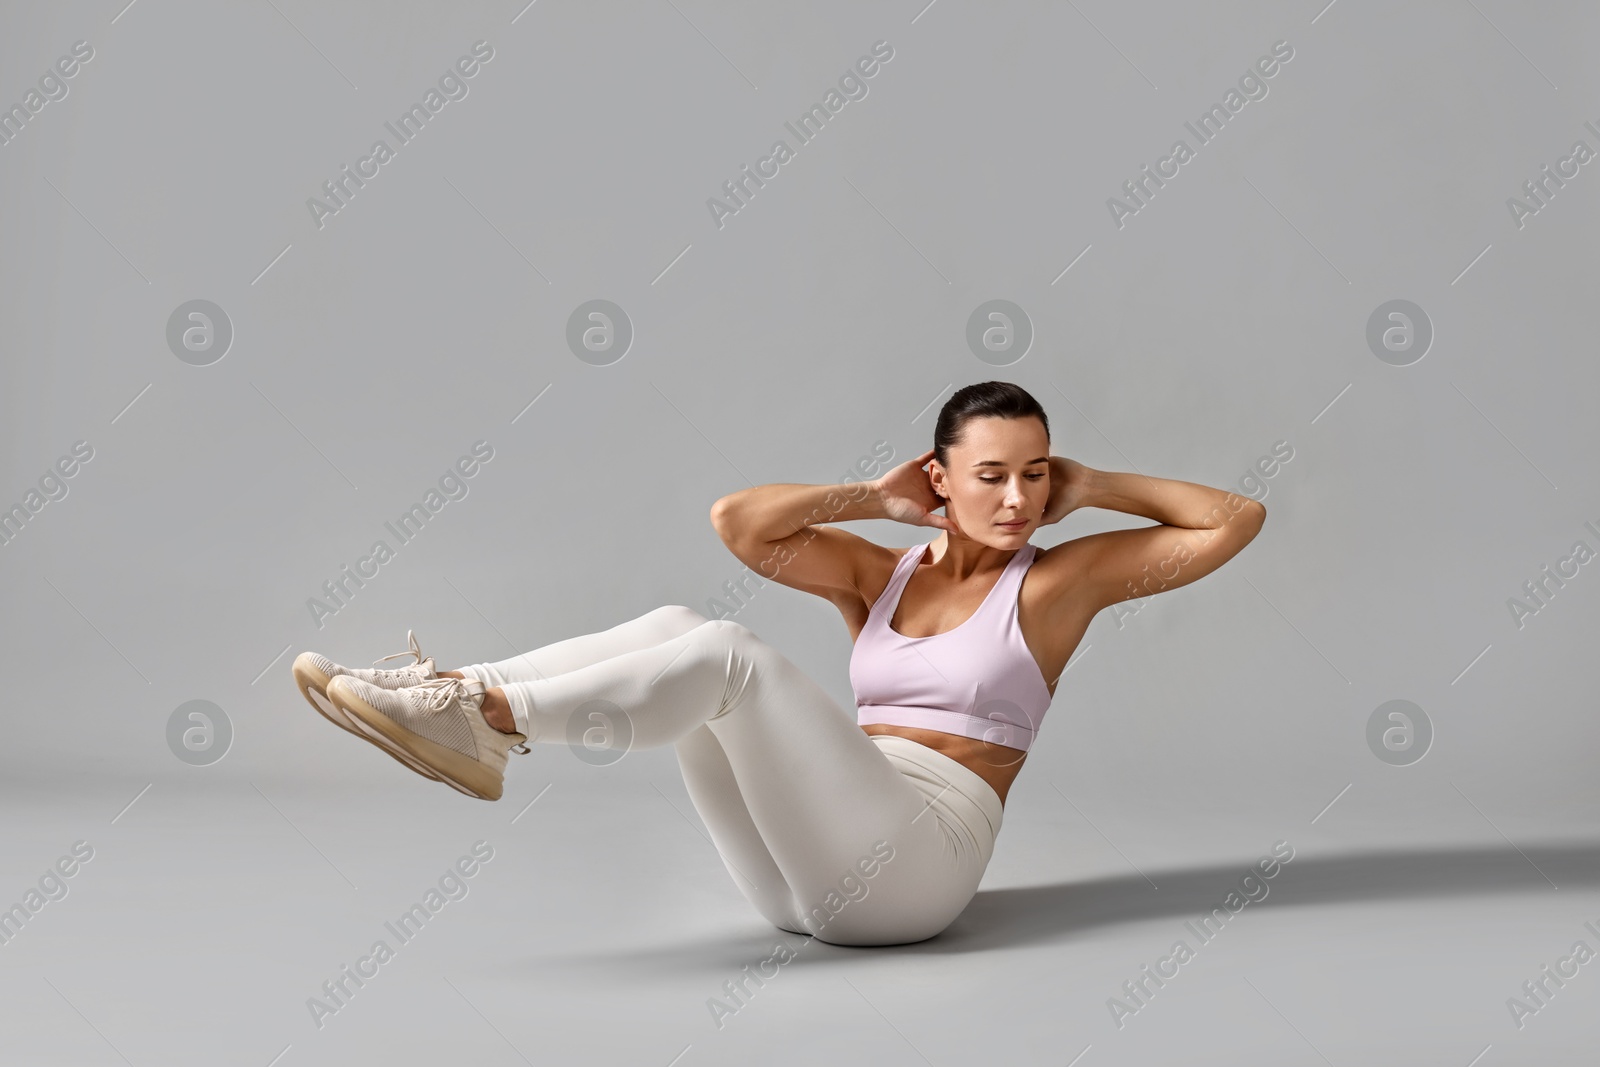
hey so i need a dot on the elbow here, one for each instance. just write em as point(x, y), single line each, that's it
point(1258, 518)
point(722, 516)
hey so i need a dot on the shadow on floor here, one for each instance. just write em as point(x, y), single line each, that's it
point(1030, 916)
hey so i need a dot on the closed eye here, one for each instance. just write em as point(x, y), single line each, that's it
point(1030, 477)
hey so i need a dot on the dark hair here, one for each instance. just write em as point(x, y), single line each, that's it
point(983, 400)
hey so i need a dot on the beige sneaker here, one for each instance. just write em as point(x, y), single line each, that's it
point(438, 723)
point(313, 672)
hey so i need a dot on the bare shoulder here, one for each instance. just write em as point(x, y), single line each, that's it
point(844, 569)
point(1059, 584)
point(863, 568)
point(1057, 570)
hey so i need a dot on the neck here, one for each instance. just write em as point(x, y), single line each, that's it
point(962, 556)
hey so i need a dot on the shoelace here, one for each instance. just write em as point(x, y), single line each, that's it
point(441, 692)
point(436, 694)
point(414, 650)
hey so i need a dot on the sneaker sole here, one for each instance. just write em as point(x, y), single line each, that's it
point(454, 769)
point(313, 685)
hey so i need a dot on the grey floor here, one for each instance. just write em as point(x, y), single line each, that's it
point(215, 907)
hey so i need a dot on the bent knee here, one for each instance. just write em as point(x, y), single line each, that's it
point(677, 618)
point(730, 632)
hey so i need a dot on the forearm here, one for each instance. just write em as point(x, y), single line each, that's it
point(777, 510)
point(1166, 500)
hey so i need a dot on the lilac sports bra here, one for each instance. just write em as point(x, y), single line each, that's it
point(978, 680)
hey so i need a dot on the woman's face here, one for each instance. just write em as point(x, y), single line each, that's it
point(999, 473)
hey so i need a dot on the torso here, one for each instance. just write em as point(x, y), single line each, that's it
point(1052, 626)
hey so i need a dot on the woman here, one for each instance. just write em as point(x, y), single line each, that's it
point(867, 833)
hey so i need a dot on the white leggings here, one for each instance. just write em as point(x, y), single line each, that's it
point(853, 839)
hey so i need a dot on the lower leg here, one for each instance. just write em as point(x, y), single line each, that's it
point(648, 630)
point(653, 627)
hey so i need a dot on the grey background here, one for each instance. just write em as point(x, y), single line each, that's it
point(1228, 314)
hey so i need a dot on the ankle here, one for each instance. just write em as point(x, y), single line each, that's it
point(497, 712)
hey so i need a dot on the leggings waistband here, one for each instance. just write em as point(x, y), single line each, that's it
point(977, 798)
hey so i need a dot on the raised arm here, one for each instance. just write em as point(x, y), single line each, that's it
point(1200, 529)
point(779, 530)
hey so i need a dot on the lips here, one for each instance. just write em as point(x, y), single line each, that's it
point(1019, 524)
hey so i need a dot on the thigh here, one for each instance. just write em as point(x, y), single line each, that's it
point(866, 859)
